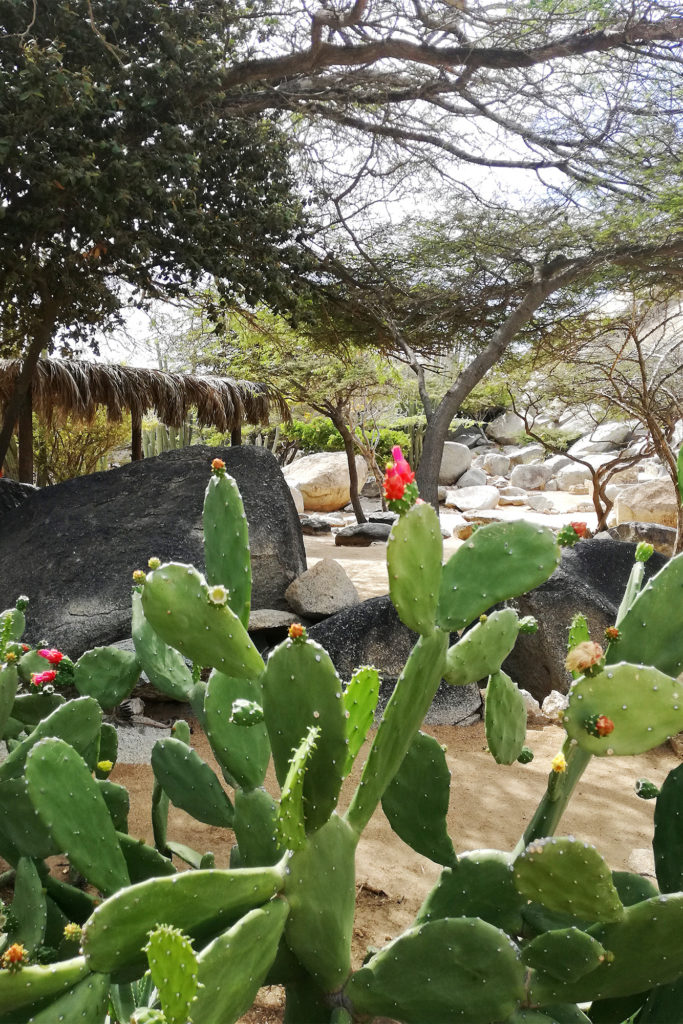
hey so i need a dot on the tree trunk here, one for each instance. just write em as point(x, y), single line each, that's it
point(136, 437)
point(427, 475)
point(350, 449)
point(236, 437)
point(41, 339)
point(25, 432)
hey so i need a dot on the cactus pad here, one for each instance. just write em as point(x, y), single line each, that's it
point(29, 985)
point(243, 751)
point(78, 722)
point(360, 701)
point(233, 967)
point(505, 718)
point(566, 954)
point(175, 600)
point(483, 649)
point(449, 971)
point(108, 674)
point(651, 630)
point(173, 966)
point(28, 906)
point(414, 553)
point(190, 784)
point(479, 885)
point(668, 838)
point(70, 804)
point(499, 561)
point(568, 876)
point(416, 800)
point(163, 665)
point(301, 688)
point(115, 934)
point(9, 681)
point(645, 706)
point(226, 543)
point(87, 1001)
point(290, 828)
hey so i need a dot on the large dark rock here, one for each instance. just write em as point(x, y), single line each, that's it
point(72, 548)
point(371, 633)
point(590, 579)
point(13, 494)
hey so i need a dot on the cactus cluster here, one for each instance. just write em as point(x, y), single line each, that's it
point(503, 936)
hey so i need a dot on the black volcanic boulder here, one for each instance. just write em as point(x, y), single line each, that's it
point(72, 547)
point(371, 633)
point(591, 579)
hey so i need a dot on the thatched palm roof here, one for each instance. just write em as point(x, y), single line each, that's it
point(62, 386)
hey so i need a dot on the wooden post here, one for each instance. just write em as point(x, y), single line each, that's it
point(236, 436)
point(136, 436)
point(25, 432)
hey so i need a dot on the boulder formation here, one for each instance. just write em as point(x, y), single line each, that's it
point(72, 547)
point(323, 480)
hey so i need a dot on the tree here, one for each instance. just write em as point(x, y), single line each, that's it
point(629, 360)
point(119, 164)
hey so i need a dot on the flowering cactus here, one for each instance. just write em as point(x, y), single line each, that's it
point(501, 937)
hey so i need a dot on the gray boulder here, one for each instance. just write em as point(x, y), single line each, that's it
point(72, 547)
point(591, 579)
point(662, 538)
point(495, 464)
point(362, 535)
point(506, 428)
point(472, 478)
point(372, 634)
point(323, 590)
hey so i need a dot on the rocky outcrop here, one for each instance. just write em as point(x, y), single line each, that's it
point(72, 547)
point(13, 494)
point(651, 501)
point(323, 480)
point(662, 538)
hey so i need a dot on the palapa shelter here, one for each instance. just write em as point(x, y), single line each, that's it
point(70, 386)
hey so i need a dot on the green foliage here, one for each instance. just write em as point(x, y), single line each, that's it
point(501, 936)
point(69, 447)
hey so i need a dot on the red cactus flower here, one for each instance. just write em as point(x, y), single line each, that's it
point(38, 678)
point(14, 957)
point(296, 631)
point(580, 528)
point(52, 654)
point(612, 633)
point(217, 465)
point(604, 725)
point(25, 648)
point(397, 475)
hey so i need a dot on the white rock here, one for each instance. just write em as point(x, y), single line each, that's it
point(456, 459)
point(494, 463)
point(539, 503)
point(534, 715)
point(584, 446)
point(298, 499)
point(576, 474)
point(616, 433)
point(472, 478)
point(526, 454)
point(323, 480)
point(322, 590)
point(553, 704)
point(506, 428)
point(512, 499)
point(557, 462)
point(530, 478)
point(653, 501)
point(472, 498)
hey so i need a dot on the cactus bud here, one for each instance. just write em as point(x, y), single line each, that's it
point(599, 725)
point(526, 755)
point(218, 467)
point(245, 712)
point(51, 654)
point(644, 551)
point(104, 766)
point(73, 932)
point(584, 656)
point(139, 576)
point(14, 958)
point(21, 603)
point(559, 763)
point(571, 534)
point(296, 631)
point(646, 790)
point(612, 634)
point(528, 624)
point(154, 562)
point(218, 594)
point(38, 678)
point(10, 656)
